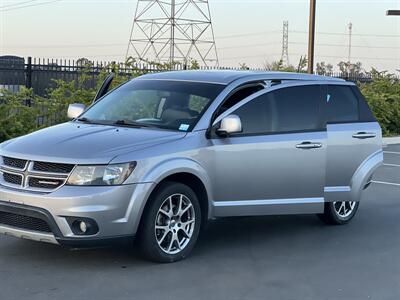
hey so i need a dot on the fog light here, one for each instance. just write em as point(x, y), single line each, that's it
point(83, 227)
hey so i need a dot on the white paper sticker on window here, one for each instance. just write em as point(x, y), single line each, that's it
point(184, 127)
point(328, 98)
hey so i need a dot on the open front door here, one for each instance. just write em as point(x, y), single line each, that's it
point(276, 165)
point(104, 87)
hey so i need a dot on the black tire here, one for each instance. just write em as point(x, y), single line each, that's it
point(332, 217)
point(149, 235)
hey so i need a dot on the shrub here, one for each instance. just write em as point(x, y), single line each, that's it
point(383, 96)
point(18, 113)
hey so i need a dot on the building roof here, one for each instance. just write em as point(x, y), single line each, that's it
point(225, 77)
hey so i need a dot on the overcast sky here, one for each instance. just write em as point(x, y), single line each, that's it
point(246, 31)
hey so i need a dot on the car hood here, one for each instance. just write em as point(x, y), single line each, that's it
point(78, 143)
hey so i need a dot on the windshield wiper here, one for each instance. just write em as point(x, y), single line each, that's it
point(85, 120)
point(130, 123)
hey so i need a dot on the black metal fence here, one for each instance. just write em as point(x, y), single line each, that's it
point(40, 74)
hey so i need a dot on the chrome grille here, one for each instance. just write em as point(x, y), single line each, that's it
point(34, 175)
point(45, 183)
point(52, 167)
point(14, 162)
point(12, 178)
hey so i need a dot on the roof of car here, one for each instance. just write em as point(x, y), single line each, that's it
point(226, 77)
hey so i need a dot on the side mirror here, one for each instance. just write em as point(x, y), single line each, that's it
point(230, 124)
point(75, 110)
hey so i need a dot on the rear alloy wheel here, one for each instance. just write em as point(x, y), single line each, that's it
point(339, 213)
point(344, 209)
point(171, 223)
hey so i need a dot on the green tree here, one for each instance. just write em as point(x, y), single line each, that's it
point(353, 69)
point(324, 68)
point(17, 118)
point(243, 66)
point(279, 66)
point(383, 96)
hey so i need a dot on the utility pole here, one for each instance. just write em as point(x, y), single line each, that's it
point(311, 39)
point(285, 44)
point(350, 36)
point(172, 44)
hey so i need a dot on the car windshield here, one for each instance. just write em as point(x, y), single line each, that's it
point(174, 105)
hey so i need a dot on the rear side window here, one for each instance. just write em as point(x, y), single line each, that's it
point(285, 110)
point(364, 110)
point(341, 105)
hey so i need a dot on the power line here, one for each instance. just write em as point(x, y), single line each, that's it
point(361, 57)
point(248, 46)
point(276, 43)
point(306, 32)
point(251, 56)
point(320, 55)
point(67, 46)
point(17, 4)
point(31, 5)
point(248, 34)
point(345, 34)
point(352, 46)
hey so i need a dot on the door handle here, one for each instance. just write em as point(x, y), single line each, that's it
point(364, 135)
point(308, 145)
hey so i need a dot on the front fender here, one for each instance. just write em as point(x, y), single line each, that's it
point(173, 166)
point(169, 167)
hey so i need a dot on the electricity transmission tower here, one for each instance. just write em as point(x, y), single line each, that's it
point(173, 31)
point(350, 40)
point(285, 44)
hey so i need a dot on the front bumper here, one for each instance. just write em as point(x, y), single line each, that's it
point(116, 210)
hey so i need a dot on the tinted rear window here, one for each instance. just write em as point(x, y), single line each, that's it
point(341, 105)
point(365, 112)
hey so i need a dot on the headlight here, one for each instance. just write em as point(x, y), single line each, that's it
point(101, 175)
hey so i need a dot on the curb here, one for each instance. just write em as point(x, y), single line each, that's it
point(391, 140)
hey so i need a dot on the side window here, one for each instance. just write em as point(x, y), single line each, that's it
point(238, 96)
point(341, 105)
point(254, 116)
point(365, 111)
point(283, 110)
point(296, 109)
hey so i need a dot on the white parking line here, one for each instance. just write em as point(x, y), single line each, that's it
point(386, 183)
point(391, 152)
point(391, 165)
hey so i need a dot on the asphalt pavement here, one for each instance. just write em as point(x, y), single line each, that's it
point(283, 257)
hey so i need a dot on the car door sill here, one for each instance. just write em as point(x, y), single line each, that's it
point(268, 207)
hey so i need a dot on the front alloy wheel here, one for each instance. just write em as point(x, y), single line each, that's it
point(175, 223)
point(171, 223)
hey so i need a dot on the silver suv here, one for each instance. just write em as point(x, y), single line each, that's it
point(160, 155)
